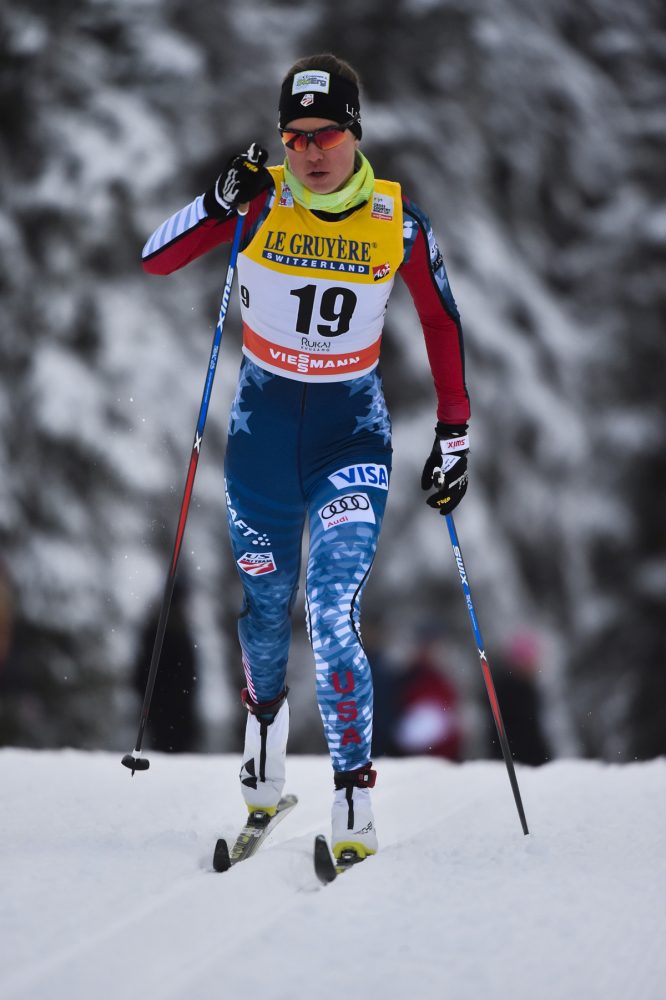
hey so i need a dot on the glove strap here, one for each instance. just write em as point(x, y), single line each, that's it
point(451, 445)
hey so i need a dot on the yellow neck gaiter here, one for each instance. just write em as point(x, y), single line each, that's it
point(356, 191)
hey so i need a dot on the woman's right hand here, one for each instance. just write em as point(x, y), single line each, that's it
point(243, 178)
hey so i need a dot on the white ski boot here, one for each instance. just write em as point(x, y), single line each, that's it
point(352, 818)
point(262, 773)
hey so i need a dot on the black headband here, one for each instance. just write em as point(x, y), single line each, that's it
point(314, 93)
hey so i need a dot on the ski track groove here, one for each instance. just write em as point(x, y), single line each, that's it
point(205, 950)
point(125, 916)
point(46, 967)
point(123, 935)
point(288, 862)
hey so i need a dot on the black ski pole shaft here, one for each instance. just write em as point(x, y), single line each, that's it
point(487, 676)
point(134, 760)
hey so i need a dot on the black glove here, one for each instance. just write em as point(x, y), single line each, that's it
point(243, 178)
point(446, 467)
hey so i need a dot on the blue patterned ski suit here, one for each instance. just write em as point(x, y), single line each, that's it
point(318, 453)
point(299, 452)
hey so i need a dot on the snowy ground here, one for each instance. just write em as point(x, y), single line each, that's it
point(107, 890)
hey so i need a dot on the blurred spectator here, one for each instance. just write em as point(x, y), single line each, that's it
point(428, 705)
point(11, 694)
point(173, 723)
point(385, 688)
point(6, 615)
point(515, 676)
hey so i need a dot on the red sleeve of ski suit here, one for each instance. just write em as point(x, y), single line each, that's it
point(189, 234)
point(425, 275)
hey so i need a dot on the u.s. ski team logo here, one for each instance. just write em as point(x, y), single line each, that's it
point(286, 197)
point(361, 475)
point(257, 563)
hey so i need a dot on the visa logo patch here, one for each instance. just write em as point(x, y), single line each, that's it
point(361, 475)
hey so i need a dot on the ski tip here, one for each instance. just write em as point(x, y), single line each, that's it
point(221, 859)
point(324, 864)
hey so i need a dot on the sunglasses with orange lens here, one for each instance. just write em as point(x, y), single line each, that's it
point(326, 137)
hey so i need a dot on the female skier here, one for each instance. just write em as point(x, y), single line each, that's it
point(309, 432)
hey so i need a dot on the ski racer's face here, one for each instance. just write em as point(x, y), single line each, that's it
point(322, 171)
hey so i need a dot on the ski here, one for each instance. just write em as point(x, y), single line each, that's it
point(258, 826)
point(327, 868)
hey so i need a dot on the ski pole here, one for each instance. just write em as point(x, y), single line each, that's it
point(135, 761)
point(487, 676)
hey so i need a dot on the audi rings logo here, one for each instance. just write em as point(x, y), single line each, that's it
point(349, 507)
point(353, 501)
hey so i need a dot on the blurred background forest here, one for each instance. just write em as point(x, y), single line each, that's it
point(533, 136)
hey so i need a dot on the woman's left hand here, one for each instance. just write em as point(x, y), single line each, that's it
point(446, 467)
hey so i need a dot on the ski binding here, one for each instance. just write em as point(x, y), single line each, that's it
point(327, 868)
point(259, 825)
